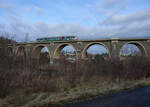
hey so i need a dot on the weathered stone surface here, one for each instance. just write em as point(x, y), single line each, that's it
point(113, 47)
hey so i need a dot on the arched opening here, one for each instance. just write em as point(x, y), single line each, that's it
point(10, 57)
point(132, 49)
point(9, 51)
point(21, 57)
point(65, 51)
point(96, 51)
point(41, 56)
point(21, 52)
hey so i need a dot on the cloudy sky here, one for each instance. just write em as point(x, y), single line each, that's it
point(88, 19)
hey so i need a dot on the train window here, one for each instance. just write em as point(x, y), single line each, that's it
point(62, 38)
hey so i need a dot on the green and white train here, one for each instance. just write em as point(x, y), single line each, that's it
point(59, 38)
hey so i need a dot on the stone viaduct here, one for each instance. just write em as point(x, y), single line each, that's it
point(113, 46)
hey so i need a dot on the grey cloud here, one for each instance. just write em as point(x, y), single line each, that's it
point(19, 27)
point(61, 29)
point(37, 10)
point(131, 25)
point(81, 31)
point(120, 19)
point(8, 8)
point(109, 4)
point(109, 7)
point(136, 24)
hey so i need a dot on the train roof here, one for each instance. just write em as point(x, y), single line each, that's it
point(56, 37)
point(62, 36)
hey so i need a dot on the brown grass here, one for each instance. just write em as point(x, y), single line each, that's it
point(70, 75)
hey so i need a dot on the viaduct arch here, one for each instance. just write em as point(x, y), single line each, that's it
point(94, 43)
point(139, 45)
point(21, 51)
point(10, 51)
point(60, 47)
point(37, 49)
point(113, 47)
